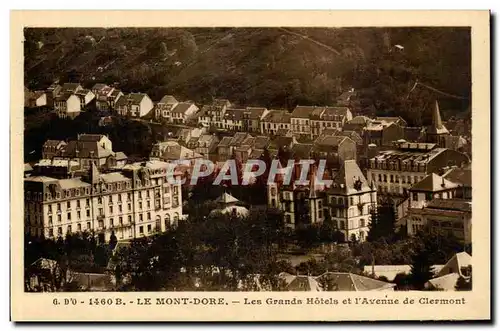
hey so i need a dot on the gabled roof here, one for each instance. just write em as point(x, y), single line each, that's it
point(182, 107)
point(227, 198)
point(132, 98)
point(278, 116)
point(304, 111)
point(225, 141)
point(349, 179)
point(302, 283)
point(90, 137)
point(460, 176)
point(433, 183)
point(360, 120)
point(70, 87)
point(238, 138)
point(99, 86)
point(254, 113)
point(330, 112)
point(234, 114)
point(328, 143)
point(53, 143)
point(461, 205)
point(168, 99)
point(444, 283)
point(261, 142)
point(456, 263)
point(65, 96)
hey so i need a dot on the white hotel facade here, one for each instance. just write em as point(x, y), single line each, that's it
point(132, 202)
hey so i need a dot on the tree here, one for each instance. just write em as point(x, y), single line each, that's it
point(382, 224)
point(421, 270)
point(113, 240)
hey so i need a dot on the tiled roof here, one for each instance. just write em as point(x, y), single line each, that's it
point(433, 183)
point(360, 120)
point(132, 98)
point(254, 113)
point(99, 86)
point(343, 281)
point(182, 107)
point(238, 138)
point(304, 111)
point(278, 116)
point(70, 183)
point(450, 204)
point(53, 143)
point(330, 112)
point(70, 87)
point(84, 149)
point(225, 141)
point(234, 114)
point(90, 137)
point(168, 99)
point(227, 198)
point(261, 142)
point(460, 176)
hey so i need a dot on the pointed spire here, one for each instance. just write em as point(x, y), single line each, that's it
point(436, 117)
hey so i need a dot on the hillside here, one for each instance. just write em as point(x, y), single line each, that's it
point(261, 66)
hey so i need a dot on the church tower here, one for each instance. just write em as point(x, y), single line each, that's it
point(436, 130)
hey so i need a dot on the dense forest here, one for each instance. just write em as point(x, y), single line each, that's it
point(272, 67)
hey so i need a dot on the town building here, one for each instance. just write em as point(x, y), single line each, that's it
point(232, 120)
point(134, 202)
point(172, 151)
point(35, 99)
point(106, 96)
point(183, 111)
point(229, 205)
point(67, 105)
point(452, 217)
point(164, 107)
point(323, 118)
point(72, 88)
point(85, 96)
point(52, 92)
point(206, 145)
point(459, 266)
point(252, 116)
point(335, 149)
point(211, 115)
point(87, 149)
point(134, 105)
point(394, 171)
point(274, 121)
point(350, 200)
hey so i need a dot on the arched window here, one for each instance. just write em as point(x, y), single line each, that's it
point(167, 221)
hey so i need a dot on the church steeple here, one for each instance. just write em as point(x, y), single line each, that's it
point(436, 128)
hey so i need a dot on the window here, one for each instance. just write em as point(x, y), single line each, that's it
point(68, 204)
point(320, 214)
point(99, 200)
point(415, 196)
point(77, 203)
point(111, 209)
point(88, 225)
point(51, 232)
point(120, 220)
point(149, 228)
point(110, 199)
point(59, 231)
point(141, 229)
point(88, 212)
point(79, 227)
point(59, 218)
point(147, 193)
point(101, 224)
point(392, 179)
point(140, 204)
point(140, 217)
point(87, 202)
point(69, 229)
point(129, 207)
point(342, 225)
point(352, 201)
point(149, 216)
point(148, 204)
point(50, 208)
point(128, 196)
point(288, 219)
point(385, 178)
point(101, 211)
point(119, 198)
point(58, 207)
point(140, 195)
point(111, 222)
point(167, 221)
point(69, 216)
point(362, 223)
point(50, 220)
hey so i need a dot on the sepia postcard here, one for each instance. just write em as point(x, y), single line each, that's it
point(250, 166)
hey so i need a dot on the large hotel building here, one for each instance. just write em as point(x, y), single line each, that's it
point(133, 201)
